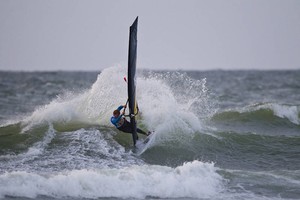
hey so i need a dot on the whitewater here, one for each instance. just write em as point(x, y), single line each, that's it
point(218, 135)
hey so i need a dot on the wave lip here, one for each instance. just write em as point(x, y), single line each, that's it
point(193, 180)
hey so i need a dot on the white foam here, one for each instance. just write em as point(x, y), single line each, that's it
point(194, 179)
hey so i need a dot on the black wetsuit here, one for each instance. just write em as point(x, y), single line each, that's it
point(126, 127)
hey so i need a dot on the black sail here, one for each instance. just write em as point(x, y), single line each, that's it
point(132, 104)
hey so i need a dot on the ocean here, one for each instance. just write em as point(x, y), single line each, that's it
point(217, 135)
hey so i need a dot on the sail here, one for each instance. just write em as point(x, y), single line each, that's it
point(132, 104)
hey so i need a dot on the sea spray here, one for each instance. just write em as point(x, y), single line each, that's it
point(171, 103)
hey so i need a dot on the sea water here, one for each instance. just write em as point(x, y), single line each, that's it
point(218, 135)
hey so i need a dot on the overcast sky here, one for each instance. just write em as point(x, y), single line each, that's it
point(172, 34)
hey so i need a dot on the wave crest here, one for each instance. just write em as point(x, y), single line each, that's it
point(267, 112)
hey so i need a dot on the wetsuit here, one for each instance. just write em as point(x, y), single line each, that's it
point(122, 124)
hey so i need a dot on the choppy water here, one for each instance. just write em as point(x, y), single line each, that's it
point(218, 135)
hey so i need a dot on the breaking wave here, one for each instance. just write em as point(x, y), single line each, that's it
point(191, 180)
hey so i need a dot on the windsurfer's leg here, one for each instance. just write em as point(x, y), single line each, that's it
point(141, 131)
point(126, 129)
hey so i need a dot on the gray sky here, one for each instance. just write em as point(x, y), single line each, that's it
point(172, 34)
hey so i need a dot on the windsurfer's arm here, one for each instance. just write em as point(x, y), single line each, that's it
point(120, 108)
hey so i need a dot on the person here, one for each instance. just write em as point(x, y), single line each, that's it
point(121, 123)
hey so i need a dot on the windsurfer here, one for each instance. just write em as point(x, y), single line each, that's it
point(122, 124)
